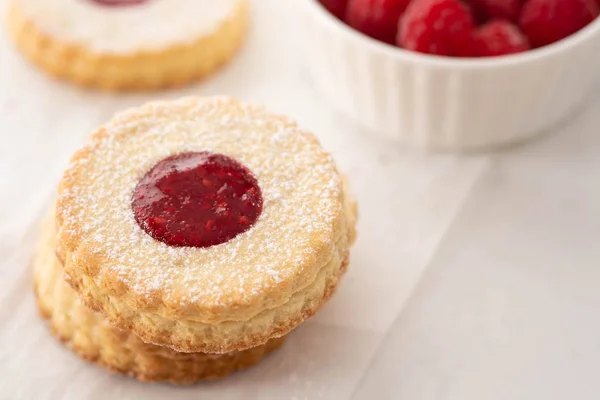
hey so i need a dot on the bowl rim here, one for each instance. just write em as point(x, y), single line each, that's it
point(400, 54)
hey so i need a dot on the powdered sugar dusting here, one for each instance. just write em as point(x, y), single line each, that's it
point(301, 187)
point(155, 24)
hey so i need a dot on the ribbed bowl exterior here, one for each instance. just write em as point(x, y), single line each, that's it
point(436, 103)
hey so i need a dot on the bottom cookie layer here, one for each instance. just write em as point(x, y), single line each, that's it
point(93, 339)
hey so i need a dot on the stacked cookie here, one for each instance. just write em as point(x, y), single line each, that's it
point(190, 237)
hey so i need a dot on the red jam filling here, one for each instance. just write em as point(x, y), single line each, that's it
point(117, 3)
point(197, 199)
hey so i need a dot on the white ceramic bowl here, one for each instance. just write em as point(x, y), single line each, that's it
point(443, 103)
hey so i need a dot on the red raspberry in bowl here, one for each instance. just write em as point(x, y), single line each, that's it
point(492, 9)
point(336, 7)
point(498, 38)
point(548, 21)
point(442, 27)
point(376, 18)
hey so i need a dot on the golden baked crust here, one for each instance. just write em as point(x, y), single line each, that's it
point(233, 296)
point(143, 70)
point(93, 339)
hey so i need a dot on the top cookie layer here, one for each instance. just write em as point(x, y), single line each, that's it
point(293, 239)
point(150, 26)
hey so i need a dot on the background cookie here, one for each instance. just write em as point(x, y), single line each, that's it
point(151, 45)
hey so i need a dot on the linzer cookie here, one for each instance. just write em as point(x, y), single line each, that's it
point(204, 224)
point(92, 338)
point(128, 44)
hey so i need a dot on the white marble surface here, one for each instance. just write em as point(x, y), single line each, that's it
point(473, 277)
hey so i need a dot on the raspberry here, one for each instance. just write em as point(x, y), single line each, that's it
point(197, 200)
point(498, 38)
point(442, 27)
point(548, 21)
point(336, 7)
point(376, 18)
point(490, 9)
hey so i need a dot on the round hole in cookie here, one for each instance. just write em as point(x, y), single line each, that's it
point(197, 199)
point(119, 3)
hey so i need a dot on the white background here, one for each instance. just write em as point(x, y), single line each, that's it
point(474, 278)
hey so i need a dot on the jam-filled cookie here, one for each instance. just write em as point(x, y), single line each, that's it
point(128, 44)
point(89, 335)
point(204, 224)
